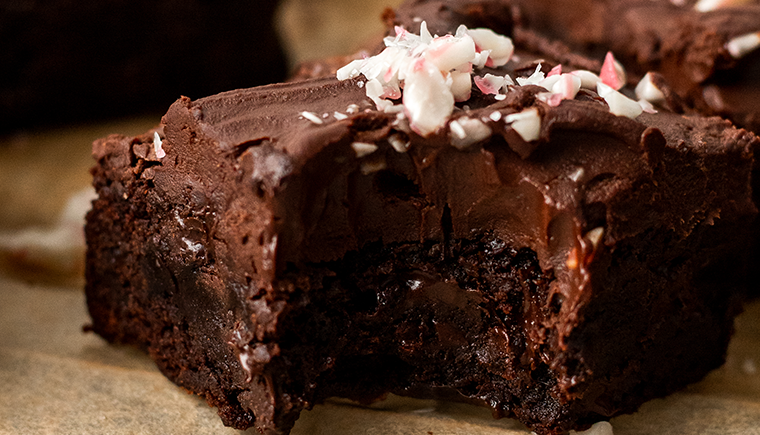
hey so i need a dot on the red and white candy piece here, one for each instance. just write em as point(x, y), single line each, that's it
point(428, 101)
point(448, 52)
point(433, 71)
point(742, 45)
point(526, 123)
point(613, 73)
point(567, 86)
point(500, 47)
point(158, 145)
point(492, 84)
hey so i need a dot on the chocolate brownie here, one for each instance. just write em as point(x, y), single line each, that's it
point(708, 50)
point(72, 61)
point(560, 257)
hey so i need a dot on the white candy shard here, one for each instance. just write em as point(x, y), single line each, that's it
point(595, 236)
point(428, 101)
point(363, 149)
point(619, 104)
point(711, 5)
point(588, 79)
point(491, 84)
point(311, 116)
point(398, 143)
point(339, 116)
point(526, 123)
point(549, 82)
point(500, 47)
point(461, 85)
point(466, 131)
point(577, 174)
point(433, 71)
point(549, 98)
point(567, 86)
point(534, 78)
point(646, 106)
point(158, 145)
point(351, 70)
point(448, 52)
point(646, 90)
point(425, 36)
point(495, 116)
point(742, 45)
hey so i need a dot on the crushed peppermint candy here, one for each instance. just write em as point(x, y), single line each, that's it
point(421, 77)
point(619, 104)
point(158, 146)
point(742, 45)
point(363, 149)
point(466, 131)
point(711, 5)
point(595, 236)
point(647, 91)
point(311, 116)
point(433, 71)
point(647, 107)
point(613, 73)
point(534, 79)
point(398, 143)
point(526, 123)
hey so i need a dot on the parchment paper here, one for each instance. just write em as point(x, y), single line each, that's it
point(58, 380)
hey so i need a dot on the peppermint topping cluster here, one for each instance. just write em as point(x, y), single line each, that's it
point(421, 77)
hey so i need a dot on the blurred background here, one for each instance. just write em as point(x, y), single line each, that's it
point(66, 61)
point(74, 71)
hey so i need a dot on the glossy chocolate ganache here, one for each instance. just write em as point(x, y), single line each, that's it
point(455, 218)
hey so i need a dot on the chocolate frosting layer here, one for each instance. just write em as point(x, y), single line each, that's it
point(317, 199)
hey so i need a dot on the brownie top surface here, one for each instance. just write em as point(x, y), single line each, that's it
point(334, 173)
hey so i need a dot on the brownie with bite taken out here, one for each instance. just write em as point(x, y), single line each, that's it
point(464, 216)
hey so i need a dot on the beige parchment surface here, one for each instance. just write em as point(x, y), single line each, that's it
point(57, 379)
